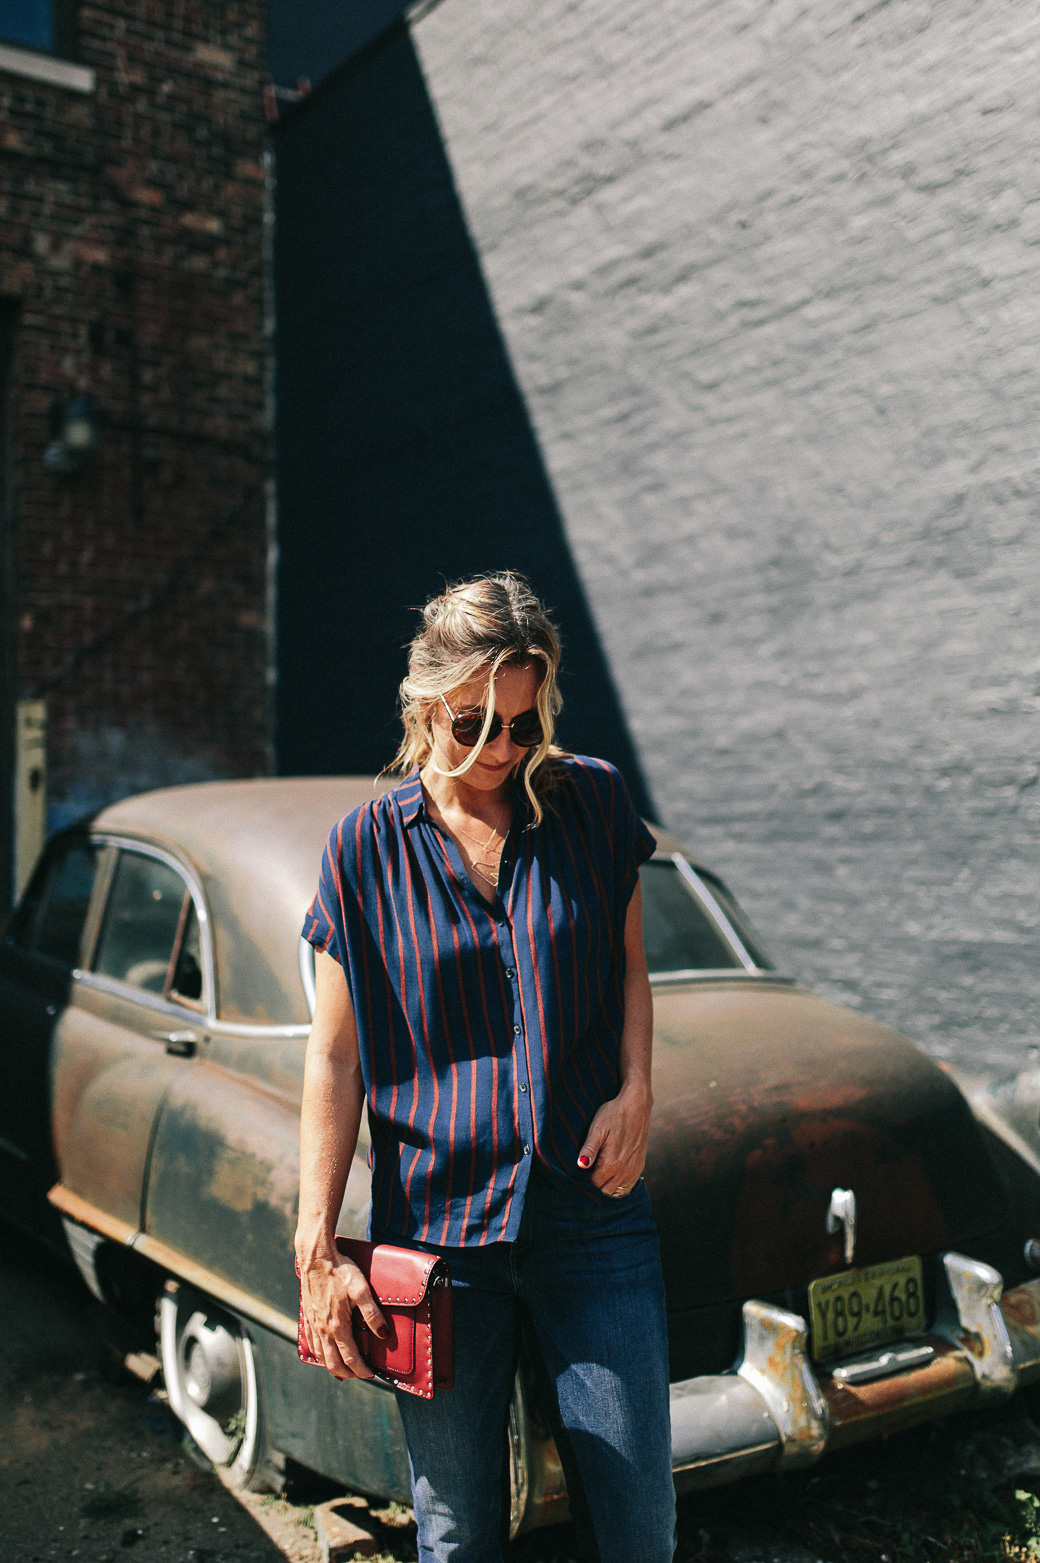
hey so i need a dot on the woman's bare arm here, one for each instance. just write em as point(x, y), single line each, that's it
point(333, 1100)
point(615, 1146)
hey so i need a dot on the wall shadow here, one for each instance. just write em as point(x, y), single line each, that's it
point(311, 37)
point(405, 456)
point(8, 605)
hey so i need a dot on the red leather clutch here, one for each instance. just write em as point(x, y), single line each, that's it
point(413, 1291)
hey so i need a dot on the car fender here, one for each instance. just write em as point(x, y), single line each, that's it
point(223, 1179)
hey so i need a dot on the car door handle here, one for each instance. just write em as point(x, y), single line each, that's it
point(181, 1044)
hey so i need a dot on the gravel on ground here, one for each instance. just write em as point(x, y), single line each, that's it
point(94, 1467)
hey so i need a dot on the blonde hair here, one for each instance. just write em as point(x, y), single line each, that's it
point(476, 626)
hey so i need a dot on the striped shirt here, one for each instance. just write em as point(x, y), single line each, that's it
point(489, 1030)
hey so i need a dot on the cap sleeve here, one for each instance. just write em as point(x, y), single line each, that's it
point(635, 845)
point(323, 925)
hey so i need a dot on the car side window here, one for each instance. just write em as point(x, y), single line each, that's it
point(186, 977)
point(147, 918)
point(50, 920)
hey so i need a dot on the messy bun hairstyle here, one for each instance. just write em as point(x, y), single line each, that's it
point(476, 627)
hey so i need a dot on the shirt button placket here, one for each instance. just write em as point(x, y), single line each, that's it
point(519, 1055)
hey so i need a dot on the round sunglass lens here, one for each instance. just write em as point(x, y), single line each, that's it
point(527, 730)
point(466, 730)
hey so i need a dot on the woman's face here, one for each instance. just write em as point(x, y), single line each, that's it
point(516, 690)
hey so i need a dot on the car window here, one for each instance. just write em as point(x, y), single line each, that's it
point(142, 920)
point(51, 918)
point(678, 930)
point(742, 924)
point(186, 979)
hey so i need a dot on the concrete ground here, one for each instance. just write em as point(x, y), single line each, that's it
point(93, 1467)
point(92, 1464)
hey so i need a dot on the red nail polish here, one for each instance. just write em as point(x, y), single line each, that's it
point(584, 1161)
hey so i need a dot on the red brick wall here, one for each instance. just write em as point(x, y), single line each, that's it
point(131, 234)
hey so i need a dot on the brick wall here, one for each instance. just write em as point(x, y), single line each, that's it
point(131, 236)
point(768, 274)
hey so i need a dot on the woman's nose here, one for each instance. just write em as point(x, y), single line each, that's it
point(503, 746)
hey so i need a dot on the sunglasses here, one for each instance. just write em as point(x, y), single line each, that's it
point(525, 730)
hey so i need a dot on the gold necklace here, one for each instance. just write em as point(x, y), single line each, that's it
point(487, 868)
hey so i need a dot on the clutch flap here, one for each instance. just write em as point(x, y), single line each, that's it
point(395, 1353)
point(396, 1275)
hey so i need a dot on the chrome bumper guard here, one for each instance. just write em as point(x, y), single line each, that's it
point(776, 1410)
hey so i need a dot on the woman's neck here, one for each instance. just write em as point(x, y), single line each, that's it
point(452, 795)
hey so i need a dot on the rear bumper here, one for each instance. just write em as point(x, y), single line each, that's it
point(777, 1410)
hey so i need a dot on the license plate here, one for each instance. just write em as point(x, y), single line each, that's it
point(867, 1307)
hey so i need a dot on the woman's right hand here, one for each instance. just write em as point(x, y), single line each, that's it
point(331, 1287)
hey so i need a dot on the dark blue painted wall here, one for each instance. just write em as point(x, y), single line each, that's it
point(405, 454)
point(29, 22)
point(311, 37)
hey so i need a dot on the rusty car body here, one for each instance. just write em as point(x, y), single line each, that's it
point(156, 999)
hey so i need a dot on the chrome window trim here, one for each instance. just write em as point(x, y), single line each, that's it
point(708, 901)
point(249, 1028)
point(748, 967)
point(207, 1017)
point(722, 974)
point(123, 990)
point(108, 857)
point(207, 1012)
point(181, 1012)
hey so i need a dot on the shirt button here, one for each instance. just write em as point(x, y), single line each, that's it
point(510, 973)
point(527, 1150)
point(516, 1031)
point(523, 1085)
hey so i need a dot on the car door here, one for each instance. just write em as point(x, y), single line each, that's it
point(138, 1013)
point(38, 956)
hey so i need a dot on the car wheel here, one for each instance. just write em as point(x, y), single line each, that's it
point(214, 1388)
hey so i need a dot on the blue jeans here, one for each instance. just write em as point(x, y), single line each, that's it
point(583, 1282)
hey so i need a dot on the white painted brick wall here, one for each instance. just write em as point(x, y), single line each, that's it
point(769, 275)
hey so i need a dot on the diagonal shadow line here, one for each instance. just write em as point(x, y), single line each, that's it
point(405, 453)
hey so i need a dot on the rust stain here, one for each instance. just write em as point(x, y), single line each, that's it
point(972, 1343)
point(863, 1411)
point(239, 1180)
point(1021, 1308)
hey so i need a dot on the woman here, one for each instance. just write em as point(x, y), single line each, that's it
point(481, 979)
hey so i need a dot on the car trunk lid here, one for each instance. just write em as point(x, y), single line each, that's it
point(767, 1099)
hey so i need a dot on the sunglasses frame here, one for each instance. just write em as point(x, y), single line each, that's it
point(493, 731)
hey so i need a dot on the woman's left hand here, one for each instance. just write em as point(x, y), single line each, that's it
point(615, 1146)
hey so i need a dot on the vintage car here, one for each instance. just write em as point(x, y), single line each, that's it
point(848, 1248)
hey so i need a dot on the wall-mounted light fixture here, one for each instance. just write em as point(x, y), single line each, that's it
point(75, 432)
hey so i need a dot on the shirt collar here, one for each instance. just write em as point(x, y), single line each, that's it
point(408, 796)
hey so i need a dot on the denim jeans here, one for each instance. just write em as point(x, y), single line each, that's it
point(583, 1282)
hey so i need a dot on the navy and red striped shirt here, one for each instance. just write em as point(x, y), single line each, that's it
point(489, 1030)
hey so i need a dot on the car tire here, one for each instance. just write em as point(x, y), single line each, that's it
point(214, 1387)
